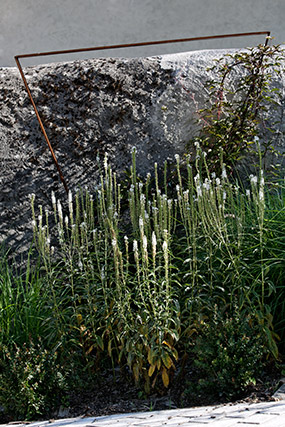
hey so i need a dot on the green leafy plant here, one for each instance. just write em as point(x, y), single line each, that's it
point(32, 382)
point(22, 300)
point(240, 98)
point(229, 352)
point(133, 291)
point(133, 284)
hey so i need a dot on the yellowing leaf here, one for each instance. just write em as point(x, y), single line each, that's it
point(110, 348)
point(89, 350)
point(167, 360)
point(158, 364)
point(154, 381)
point(136, 372)
point(151, 370)
point(165, 377)
point(168, 345)
point(175, 354)
point(192, 331)
point(79, 318)
point(151, 356)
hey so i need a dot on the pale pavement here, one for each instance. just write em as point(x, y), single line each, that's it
point(265, 414)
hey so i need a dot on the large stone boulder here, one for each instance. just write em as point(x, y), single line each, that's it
point(90, 108)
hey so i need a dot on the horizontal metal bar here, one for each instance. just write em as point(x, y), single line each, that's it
point(128, 45)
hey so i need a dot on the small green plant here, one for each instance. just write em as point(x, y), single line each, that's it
point(22, 301)
point(229, 352)
point(32, 382)
point(240, 99)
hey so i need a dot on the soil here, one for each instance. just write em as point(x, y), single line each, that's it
point(111, 396)
point(113, 393)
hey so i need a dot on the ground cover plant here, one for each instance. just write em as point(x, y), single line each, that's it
point(195, 275)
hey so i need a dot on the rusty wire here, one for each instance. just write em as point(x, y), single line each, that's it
point(109, 47)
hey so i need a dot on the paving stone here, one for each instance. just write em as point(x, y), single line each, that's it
point(274, 408)
point(117, 423)
point(150, 424)
point(277, 422)
point(224, 422)
point(260, 419)
point(267, 414)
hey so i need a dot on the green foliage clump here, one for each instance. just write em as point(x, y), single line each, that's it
point(32, 382)
point(229, 353)
point(237, 114)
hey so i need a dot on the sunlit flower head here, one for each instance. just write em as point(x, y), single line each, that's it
point(197, 145)
point(144, 243)
point(153, 239)
point(206, 185)
point(199, 190)
point(135, 246)
point(59, 209)
point(53, 199)
point(253, 179)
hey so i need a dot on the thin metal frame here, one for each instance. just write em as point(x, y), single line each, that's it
point(119, 46)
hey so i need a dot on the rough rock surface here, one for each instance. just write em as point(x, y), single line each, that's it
point(89, 108)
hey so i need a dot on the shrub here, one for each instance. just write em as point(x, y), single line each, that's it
point(239, 102)
point(229, 353)
point(32, 382)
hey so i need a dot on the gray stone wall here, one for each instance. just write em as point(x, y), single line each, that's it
point(92, 107)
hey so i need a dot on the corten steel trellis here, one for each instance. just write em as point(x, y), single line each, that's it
point(119, 46)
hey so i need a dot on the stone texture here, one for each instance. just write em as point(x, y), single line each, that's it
point(90, 108)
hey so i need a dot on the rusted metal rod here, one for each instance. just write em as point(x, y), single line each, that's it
point(109, 47)
point(41, 123)
point(158, 42)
